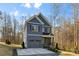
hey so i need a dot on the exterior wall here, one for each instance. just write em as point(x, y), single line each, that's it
point(34, 41)
point(47, 30)
point(29, 31)
point(25, 37)
point(40, 27)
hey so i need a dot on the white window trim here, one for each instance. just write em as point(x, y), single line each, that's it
point(34, 23)
point(48, 30)
point(35, 29)
point(36, 19)
point(39, 20)
point(43, 29)
point(40, 35)
point(45, 19)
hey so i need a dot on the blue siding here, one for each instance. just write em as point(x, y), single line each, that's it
point(36, 39)
point(46, 29)
point(29, 31)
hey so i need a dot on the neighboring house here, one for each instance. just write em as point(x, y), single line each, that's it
point(37, 32)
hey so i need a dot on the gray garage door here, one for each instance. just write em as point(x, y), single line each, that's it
point(35, 43)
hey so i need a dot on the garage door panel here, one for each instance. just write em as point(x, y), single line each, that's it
point(35, 43)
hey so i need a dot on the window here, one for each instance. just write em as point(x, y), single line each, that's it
point(43, 29)
point(34, 28)
point(47, 30)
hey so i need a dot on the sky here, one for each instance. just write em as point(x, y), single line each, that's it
point(24, 9)
point(29, 9)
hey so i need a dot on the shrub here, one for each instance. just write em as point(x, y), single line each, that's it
point(76, 51)
point(57, 46)
point(45, 47)
point(23, 46)
point(53, 49)
point(8, 42)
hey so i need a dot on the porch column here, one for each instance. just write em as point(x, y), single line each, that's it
point(51, 41)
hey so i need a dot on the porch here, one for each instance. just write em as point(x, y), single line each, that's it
point(47, 41)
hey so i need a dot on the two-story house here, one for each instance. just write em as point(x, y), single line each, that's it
point(37, 32)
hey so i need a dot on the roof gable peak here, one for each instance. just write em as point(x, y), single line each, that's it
point(35, 16)
point(40, 14)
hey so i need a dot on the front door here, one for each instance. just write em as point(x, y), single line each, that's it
point(46, 41)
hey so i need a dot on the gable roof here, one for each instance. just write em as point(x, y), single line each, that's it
point(36, 16)
point(44, 18)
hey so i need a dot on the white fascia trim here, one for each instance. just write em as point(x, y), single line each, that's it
point(46, 19)
point(25, 37)
point(36, 18)
point(46, 26)
point(39, 20)
point(34, 23)
point(30, 18)
point(39, 35)
point(47, 36)
point(34, 35)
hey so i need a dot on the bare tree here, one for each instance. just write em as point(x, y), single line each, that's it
point(55, 9)
point(75, 14)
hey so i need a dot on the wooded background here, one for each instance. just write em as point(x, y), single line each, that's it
point(66, 35)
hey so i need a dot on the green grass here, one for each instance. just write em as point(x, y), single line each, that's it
point(5, 50)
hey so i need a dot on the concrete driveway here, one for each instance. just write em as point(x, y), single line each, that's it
point(35, 52)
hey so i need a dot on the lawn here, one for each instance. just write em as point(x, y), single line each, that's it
point(11, 45)
point(7, 50)
point(65, 53)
